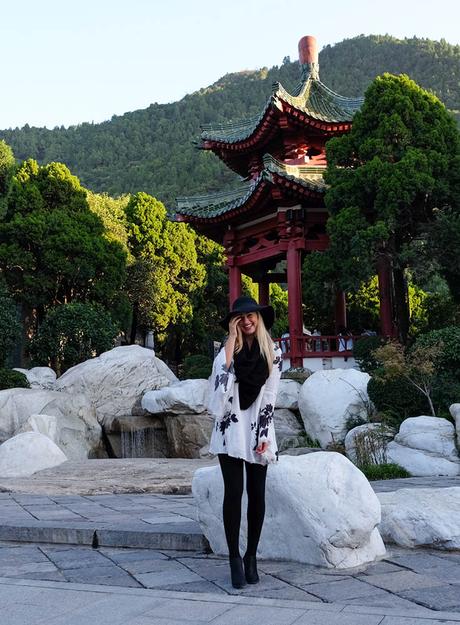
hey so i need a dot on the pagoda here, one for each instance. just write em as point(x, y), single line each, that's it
point(278, 213)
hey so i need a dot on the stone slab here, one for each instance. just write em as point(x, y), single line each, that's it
point(151, 540)
point(133, 475)
point(45, 533)
point(402, 580)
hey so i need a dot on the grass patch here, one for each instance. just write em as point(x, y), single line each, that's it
point(384, 471)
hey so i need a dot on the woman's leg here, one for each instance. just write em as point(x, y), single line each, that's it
point(256, 475)
point(232, 472)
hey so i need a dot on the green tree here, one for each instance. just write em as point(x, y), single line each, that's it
point(10, 328)
point(444, 245)
point(72, 333)
point(279, 301)
point(165, 271)
point(7, 164)
point(209, 302)
point(53, 248)
point(386, 179)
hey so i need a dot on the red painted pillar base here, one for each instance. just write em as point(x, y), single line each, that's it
point(387, 328)
point(264, 293)
point(340, 311)
point(295, 304)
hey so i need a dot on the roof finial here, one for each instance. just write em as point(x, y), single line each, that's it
point(308, 54)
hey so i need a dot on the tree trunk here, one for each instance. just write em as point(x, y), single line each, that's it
point(401, 304)
point(134, 323)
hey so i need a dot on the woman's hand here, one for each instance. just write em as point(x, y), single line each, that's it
point(230, 343)
point(262, 448)
point(232, 326)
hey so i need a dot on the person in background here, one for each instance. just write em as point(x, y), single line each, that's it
point(345, 339)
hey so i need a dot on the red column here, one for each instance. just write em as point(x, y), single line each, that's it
point(264, 292)
point(234, 278)
point(294, 303)
point(386, 308)
point(340, 311)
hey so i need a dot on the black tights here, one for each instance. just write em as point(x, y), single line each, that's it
point(232, 472)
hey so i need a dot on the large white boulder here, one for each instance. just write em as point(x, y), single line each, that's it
point(40, 377)
point(455, 412)
point(421, 517)
point(320, 509)
point(43, 424)
point(116, 379)
point(25, 454)
point(289, 432)
point(187, 396)
point(425, 446)
point(367, 443)
point(288, 394)
point(421, 463)
point(432, 434)
point(189, 434)
point(328, 398)
point(79, 434)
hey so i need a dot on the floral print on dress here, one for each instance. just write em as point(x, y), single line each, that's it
point(265, 417)
point(228, 418)
point(223, 377)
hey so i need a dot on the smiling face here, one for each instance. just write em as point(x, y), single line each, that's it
point(248, 323)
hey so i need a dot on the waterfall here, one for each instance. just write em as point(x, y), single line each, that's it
point(137, 442)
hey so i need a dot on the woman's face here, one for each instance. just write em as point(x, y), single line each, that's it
point(248, 323)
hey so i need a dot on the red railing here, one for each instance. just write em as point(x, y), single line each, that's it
point(323, 346)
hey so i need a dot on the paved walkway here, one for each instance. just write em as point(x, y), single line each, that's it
point(62, 561)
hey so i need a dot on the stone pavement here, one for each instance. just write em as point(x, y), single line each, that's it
point(35, 602)
point(156, 521)
point(63, 559)
point(129, 520)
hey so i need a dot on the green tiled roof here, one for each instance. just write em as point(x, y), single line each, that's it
point(214, 204)
point(217, 204)
point(311, 97)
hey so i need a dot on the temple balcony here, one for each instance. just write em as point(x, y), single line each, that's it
point(319, 352)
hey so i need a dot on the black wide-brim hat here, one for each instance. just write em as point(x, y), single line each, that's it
point(243, 305)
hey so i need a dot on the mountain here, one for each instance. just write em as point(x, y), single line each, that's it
point(151, 149)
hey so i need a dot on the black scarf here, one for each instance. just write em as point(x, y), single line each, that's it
point(251, 370)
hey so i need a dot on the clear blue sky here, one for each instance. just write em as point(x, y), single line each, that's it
point(68, 62)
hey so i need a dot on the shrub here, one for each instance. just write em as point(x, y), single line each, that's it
point(384, 471)
point(371, 446)
point(72, 333)
point(354, 422)
point(363, 352)
point(197, 366)
point(12, 379)
point(397, 398)
point(446, 386)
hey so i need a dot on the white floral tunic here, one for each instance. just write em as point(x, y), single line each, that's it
point(239, 432)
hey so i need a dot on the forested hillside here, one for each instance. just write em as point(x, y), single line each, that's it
point(152, 149)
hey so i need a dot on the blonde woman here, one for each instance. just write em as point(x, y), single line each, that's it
point(243, 388)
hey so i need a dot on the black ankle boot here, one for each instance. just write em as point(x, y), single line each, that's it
point(236, 569)
point(250, 569)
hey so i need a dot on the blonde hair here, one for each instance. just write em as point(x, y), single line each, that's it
point(263, 338)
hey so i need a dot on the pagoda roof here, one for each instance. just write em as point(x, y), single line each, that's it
point(224, 204)
point(311, 98)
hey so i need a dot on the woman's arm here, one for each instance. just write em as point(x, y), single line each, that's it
point(222, 380)
point(267, 407)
